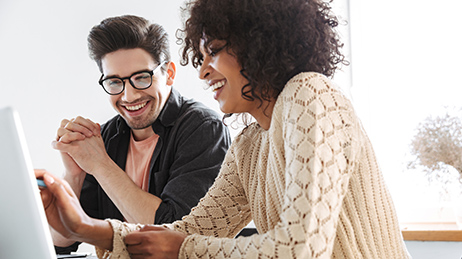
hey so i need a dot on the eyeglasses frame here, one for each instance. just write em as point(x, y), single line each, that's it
point(152, 72)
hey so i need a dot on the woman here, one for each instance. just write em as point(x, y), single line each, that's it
point(305, 171)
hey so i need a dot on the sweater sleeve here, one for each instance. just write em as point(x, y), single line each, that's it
point(119, 250)
point(223, 211)
point(320, 140)
point(315, 121)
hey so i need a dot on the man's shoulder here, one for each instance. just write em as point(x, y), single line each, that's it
point(193, 118)
point(199, 110)
point(112, 126)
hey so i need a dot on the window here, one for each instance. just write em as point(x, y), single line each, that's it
point(406, 63)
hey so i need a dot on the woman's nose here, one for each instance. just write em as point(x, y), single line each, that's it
point(205, 70)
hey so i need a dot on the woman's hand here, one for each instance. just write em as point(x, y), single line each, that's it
point(154, 242)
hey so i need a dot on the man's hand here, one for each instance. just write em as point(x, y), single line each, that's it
point(62, 208)
point(90, 155)
point(75, 152)
point(66, 216)
point(87, 154)
point(70, 131)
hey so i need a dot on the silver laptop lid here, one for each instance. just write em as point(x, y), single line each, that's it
point(24, 231)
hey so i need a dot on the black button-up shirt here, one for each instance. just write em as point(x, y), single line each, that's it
point(191, 146)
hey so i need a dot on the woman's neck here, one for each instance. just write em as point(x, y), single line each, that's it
point(264, 113)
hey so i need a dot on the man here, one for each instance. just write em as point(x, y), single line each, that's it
point(153, 161)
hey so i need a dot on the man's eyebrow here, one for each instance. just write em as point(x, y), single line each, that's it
point(116, 75)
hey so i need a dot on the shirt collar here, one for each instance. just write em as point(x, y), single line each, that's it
point(171, 110)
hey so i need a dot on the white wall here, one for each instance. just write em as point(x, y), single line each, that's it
point(46, 73)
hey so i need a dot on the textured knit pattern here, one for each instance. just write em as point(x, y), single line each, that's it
point(119, 251)
point(311, 184)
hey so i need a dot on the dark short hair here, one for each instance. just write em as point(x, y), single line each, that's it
point(128, 32)
point(273, 40)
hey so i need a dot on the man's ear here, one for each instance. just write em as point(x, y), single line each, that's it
point(171, 73)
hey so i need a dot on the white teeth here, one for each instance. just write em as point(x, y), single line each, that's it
point(136, 107)
point(217, 85)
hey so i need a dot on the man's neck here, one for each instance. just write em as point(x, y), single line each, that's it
point(142, 134)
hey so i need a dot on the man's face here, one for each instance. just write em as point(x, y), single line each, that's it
point(139, 108)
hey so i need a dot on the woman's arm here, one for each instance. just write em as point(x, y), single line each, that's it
point(315, 121)
point(222, 212)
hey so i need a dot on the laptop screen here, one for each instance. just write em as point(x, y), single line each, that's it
point(24, 231)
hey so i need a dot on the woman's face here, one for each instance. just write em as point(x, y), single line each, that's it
point(221, 71)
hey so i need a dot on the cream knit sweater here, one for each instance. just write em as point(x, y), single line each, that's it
point(311, 184)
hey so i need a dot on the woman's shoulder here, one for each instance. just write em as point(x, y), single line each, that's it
point(307, 86)
point(247, 133)
point(309, 81)
point(247, 137)
point(313, 95)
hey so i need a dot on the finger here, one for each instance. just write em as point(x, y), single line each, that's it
point(143, 249)
point(47, 198)
point(133, 238)
point(76, 126)
point(70, 137)
point(89, 124)
point(61, 132)
point(39, 176)
point(63, 123)
point(59, 188)
point(39, 173)
point(134, 250)
point(58, 194)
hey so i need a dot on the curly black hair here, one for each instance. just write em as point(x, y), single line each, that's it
point(273, 40)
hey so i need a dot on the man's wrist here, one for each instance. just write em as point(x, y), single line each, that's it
point(106, 170)
point(75, 181)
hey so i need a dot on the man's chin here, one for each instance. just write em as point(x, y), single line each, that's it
point(139, 125)
point(136, 126)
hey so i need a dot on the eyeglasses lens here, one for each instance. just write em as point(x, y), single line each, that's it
point(113, 85)
point(142, 80)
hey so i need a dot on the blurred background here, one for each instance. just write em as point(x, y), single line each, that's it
point(405, 66)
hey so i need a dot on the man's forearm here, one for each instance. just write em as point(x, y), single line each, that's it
point(136, 205)
point(76, 183)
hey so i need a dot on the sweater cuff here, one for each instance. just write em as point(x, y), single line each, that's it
point(119, 250)
point(187, 245)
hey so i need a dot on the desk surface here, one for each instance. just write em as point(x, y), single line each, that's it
point(444, 231)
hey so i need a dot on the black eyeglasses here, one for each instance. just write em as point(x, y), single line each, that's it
point(139, 80)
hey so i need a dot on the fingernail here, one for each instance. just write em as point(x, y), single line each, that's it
point(49, 179)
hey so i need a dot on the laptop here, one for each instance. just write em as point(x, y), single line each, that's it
point(24, 231)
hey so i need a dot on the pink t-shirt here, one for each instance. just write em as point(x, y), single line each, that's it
point(138, 159)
